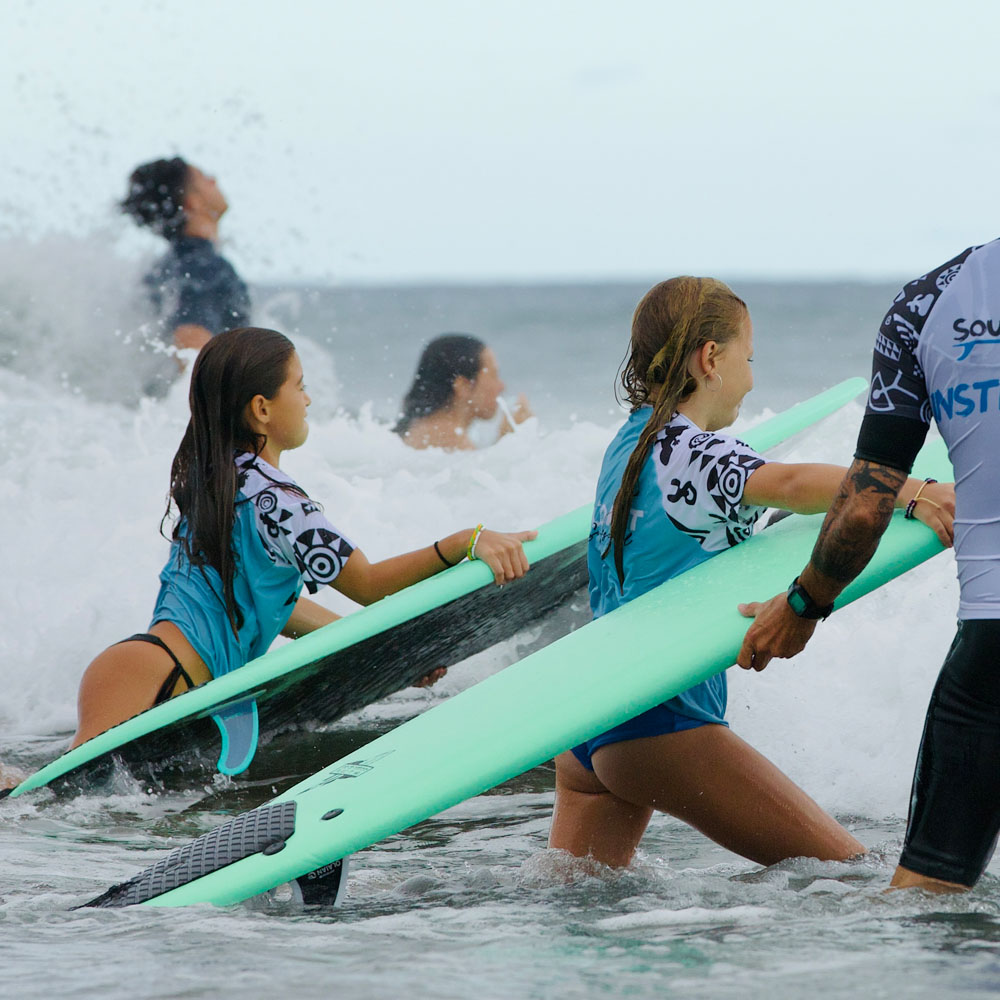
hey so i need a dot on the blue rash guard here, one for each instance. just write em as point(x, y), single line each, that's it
point(193, 283)
point(687, 509)
point(282, 542)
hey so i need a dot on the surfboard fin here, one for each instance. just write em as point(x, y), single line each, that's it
point(240, 731)
point(325, 886)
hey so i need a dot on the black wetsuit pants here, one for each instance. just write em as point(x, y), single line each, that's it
point(955, 801)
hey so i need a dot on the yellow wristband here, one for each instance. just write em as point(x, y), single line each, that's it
point(470, 552)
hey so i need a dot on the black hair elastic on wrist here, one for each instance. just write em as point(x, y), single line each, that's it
point(442, 558)
point(912, 505)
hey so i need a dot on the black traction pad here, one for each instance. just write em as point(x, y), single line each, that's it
point(252, 832)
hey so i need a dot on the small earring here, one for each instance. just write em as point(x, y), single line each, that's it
point(708, 381)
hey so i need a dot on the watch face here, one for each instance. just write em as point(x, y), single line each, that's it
point(802, 604)
point(796, 600)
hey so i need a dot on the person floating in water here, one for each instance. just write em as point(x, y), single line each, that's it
point(195, 292)
point(457, 382)
point(249, 539)
point(675, 490)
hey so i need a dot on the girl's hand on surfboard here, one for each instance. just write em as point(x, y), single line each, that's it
point(503, 552)
point(938, 513)
point(432, 678)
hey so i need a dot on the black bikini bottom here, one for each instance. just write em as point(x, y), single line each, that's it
point(167, 687)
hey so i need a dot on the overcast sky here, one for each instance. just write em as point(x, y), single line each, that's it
point(435, 140)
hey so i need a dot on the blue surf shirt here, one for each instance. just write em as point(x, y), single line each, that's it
point(687, 508)
point(193, 283)
point(282, 542)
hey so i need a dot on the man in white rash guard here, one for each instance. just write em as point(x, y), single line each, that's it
point(937, 356)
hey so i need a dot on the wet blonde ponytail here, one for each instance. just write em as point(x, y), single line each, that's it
point(675, 319)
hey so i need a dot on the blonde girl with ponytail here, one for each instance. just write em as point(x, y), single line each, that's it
point(673, 491)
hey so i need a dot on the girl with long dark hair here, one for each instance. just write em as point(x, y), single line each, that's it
point(248, 539)
point(673, 491)
point(457, 382)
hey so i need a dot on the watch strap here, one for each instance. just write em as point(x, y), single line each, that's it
point(800, 601)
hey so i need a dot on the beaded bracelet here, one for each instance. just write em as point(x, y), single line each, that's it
point(441, 556)
point(911, 506)
point(471, 550)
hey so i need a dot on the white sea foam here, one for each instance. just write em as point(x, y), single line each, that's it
point(725, 916)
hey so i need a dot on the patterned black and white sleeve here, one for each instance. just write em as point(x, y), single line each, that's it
point(296, 530)
point(702, 477)
point(898, 413)
point(320, 549)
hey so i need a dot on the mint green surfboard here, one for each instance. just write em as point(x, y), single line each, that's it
point(364, 656)
point(675, 636)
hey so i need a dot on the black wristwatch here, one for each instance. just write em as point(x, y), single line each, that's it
point(803, 605)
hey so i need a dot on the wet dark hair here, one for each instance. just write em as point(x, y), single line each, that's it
point(156, 195)
point(230, 370)
point(673, 320)
point(443, 360)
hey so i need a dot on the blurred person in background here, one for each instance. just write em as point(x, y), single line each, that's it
point(457, 382)
point(194, 291)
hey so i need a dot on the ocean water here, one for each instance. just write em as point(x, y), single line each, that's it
point(470, 902)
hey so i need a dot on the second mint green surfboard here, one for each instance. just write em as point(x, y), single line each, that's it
point(604, 673)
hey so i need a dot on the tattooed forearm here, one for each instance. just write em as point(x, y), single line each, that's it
point(857, 518)
point(862, 476)
point(841, 554)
